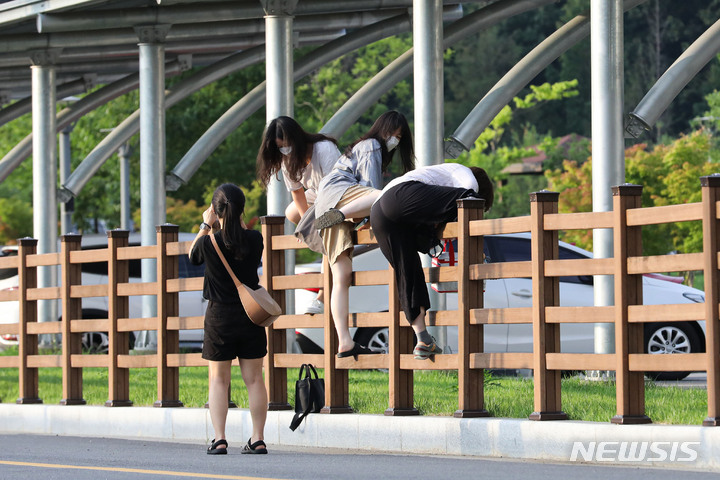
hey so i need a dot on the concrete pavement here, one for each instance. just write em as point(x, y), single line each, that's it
point(683, 447)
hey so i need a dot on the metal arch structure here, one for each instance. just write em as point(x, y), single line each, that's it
point(64, 41)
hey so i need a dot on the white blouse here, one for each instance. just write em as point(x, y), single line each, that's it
point(324, 155)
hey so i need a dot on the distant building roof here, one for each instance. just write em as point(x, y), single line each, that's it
point(534, 165)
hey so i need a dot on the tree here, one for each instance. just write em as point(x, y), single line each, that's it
point(669, 175)
point(493, 151)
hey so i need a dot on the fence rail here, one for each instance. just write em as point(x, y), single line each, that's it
point(545, 315)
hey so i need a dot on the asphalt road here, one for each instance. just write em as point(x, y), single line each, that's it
point(78, 458)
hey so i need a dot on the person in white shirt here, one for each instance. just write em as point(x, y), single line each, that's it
point(304, 159)
point(406, 218)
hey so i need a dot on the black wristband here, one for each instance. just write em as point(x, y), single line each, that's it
point(205, 226)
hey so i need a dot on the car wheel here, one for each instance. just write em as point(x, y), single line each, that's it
point(376, 339)
point(98, 342)
point(671, 338)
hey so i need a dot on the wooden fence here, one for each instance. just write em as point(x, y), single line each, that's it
point(546, 360)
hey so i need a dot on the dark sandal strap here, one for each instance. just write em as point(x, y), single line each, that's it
point(257, 444)
point(218, 443)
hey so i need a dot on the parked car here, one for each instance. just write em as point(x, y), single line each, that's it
point(191, 303)
point(675, 337)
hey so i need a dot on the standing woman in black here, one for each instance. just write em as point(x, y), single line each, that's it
point(229, 332)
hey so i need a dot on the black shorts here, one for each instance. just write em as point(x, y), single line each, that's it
point(229, 333)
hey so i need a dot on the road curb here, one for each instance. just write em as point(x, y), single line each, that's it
point(673, 446)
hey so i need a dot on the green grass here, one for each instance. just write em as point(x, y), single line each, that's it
point(435, 393)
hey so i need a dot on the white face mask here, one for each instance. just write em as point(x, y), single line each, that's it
point(391, 143)
point(285, 150)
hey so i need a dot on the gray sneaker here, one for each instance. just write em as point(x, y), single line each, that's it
point(316, 307)
point(329, 218)
point(423, 351)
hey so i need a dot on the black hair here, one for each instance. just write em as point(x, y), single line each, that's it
point(229, 203)
point(269, 158)
point(385, 125)
point(485, 186)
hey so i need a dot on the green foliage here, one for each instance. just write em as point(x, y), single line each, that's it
point(511, 195)
point(669, 175)
point(321, 94)
point(16, 220)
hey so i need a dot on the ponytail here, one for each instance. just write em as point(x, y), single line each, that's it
point(229, 203)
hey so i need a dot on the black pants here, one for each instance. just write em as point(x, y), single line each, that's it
point(402, 214)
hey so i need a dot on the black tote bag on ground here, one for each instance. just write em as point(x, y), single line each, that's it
point(309, 394)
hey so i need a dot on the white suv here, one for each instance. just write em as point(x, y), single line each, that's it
point(675, 337)
point(191, 303)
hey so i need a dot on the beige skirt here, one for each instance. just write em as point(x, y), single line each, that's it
point(338, 238)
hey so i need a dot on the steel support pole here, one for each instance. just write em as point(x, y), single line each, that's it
point(606, 37)
point(428, 100)
point(45, 171)
point(428, 81)
point(279, 101)
point(66, 208)
point(152, 156)
point(124, 158)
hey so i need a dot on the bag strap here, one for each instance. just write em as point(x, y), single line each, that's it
point(235, 280)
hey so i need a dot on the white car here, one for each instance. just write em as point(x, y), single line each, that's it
point(191, 303)
point(676, 337)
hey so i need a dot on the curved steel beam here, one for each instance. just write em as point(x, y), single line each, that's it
point(675, 78)
point(517, 78)
point(21, 107)
point(67, 116)
point(402, 66)
point(131, 125)
point(253, 100)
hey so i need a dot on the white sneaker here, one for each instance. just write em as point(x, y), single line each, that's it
point(315, 307)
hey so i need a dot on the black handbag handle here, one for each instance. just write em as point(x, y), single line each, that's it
point(306, 367)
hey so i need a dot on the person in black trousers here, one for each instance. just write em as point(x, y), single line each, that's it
point(406, 218)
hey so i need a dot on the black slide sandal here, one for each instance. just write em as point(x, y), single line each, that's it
point(356, 350)
point(254, 448)
point(215, 448)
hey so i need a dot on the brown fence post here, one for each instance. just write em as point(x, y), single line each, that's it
point(72, 382)
point(627, 241)
point(470, 296)
point(400, 339)
point(273, 264)
point(27, 344)
point(545, 293)
point(118, 307)
point(168, 341)
point(711, 248)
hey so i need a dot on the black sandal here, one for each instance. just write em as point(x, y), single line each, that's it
point(356, 350)
point(258, 447)
point(215, 448)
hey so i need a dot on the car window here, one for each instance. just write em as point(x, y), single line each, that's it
point(514, 249)
point(189, 270)
point(8, 272)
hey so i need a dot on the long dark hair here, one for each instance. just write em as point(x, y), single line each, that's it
point(269, 158)
point(229, 203)
point(385, 125)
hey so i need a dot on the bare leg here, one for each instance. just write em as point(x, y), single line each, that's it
point(342, 271)
point(257, 395)
point(360, 207)
point(292, 213)
point(218, 396)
